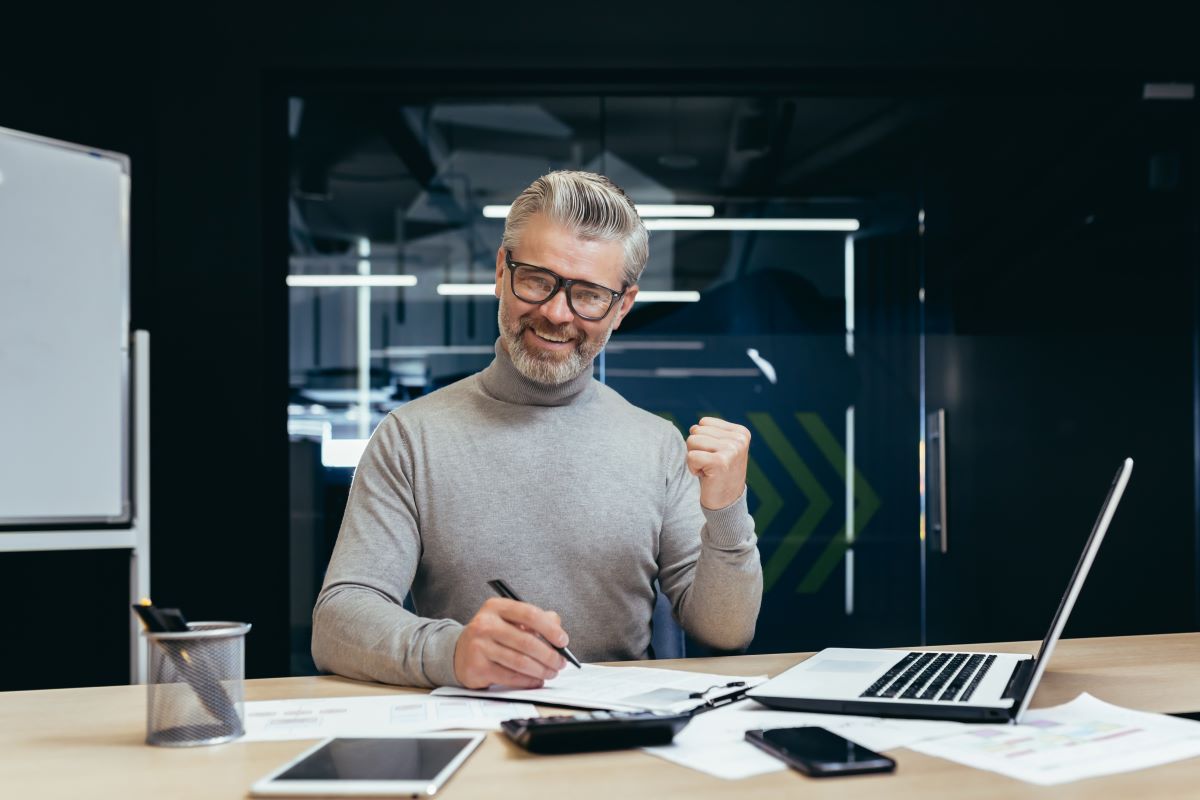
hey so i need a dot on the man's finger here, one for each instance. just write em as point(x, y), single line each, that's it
point(535, 619)
point(716, 422)
point(533, 646)
point(500, 674)
point(739, 435)
point(699, 461)
point(518, 661)
point(701, 441)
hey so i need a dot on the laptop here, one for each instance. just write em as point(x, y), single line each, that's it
point(931, 684)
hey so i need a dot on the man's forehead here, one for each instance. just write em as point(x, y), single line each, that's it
point(557, 247)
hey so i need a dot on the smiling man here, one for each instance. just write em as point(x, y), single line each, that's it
point(532, 472)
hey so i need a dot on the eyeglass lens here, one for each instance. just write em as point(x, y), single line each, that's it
point(535, 285)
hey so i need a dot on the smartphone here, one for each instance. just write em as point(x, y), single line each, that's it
point(819, 753)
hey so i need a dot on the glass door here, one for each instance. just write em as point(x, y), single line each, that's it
point(1061, 259)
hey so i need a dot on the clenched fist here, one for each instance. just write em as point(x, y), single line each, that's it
point(717, 454)
point(500, 645)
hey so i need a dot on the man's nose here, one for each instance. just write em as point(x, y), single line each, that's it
point(556, 309)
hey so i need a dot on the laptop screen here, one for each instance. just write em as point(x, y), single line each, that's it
point(1081, 570)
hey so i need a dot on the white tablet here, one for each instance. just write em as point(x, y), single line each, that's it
point(416, 766)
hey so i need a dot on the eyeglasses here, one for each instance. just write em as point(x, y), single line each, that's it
point(536, 285)
point(704, 695)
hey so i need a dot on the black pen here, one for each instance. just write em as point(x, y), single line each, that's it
point(196, 673)
point(502, 589)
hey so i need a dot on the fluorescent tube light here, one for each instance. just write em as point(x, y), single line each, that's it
point(656, 296)
point(423, 351)
point(644, 209)
point(466, 289)
point(664, 210)
point(684, 372)
point(755, 224)
point(351, 280)
point(489, 290)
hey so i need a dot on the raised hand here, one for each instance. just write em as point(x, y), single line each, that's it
point(717, 454)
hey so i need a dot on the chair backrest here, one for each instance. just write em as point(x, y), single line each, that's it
point(666, 637)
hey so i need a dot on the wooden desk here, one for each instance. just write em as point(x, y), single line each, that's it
point(88, 743)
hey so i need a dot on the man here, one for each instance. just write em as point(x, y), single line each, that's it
point(532, 472)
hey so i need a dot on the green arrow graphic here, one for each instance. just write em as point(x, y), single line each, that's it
point(866, 503)
point(818, 501)
point(769, 501)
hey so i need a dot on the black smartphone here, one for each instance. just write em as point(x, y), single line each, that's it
point(819, 753)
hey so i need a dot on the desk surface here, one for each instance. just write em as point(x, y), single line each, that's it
point(77, 743)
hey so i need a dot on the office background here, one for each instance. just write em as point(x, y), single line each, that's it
point(1057, 253)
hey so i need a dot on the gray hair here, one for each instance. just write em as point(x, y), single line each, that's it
point(590, 205)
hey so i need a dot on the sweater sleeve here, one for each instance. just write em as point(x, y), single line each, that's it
point(708, 560)
point(360, 628)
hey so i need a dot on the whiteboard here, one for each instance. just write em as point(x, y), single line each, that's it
point(64, 334)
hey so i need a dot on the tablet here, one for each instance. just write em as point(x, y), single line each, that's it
point(416, 766)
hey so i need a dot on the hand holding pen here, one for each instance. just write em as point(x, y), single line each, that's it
point(501, 588)
point(510, 643)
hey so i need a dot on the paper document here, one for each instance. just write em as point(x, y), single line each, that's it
point(620, 688)
point(379, 715)
point(1081, 739)
point(714, 742)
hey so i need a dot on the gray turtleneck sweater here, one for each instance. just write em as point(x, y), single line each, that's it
point(573, 496)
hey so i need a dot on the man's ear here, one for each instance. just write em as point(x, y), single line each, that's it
point(500, 264)
point(626, 304)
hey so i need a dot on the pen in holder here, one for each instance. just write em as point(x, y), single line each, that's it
point(194, 695)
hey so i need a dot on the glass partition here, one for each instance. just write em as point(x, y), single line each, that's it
point(782, 292)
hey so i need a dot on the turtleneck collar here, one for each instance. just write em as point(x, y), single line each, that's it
point(503, 381)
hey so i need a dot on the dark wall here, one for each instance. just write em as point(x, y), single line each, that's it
point(184, 92)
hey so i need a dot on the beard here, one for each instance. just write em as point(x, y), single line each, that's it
point(544, 366)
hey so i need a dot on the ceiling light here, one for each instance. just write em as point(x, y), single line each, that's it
point(655, 296)
point(644, 209)
point(351, 280)
point(663, 210)
point(755, 224)
point(489, 290)
point(466, 289)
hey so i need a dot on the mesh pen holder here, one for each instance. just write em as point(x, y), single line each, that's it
point(195, 695)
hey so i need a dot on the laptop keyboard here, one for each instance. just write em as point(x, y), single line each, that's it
point(933, 676)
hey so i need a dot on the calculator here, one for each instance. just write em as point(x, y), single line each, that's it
point(598, 730)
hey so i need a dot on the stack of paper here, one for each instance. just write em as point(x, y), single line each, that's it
point(621, 689)
point(379, 715)
point(1081, 739)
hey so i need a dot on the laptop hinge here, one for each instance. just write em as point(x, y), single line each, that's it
point(1019, 681)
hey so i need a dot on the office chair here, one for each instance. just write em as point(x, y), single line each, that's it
point(666, 637)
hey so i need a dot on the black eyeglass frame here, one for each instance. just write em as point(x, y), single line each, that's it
point(560, 283)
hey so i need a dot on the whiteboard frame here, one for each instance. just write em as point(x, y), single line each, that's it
point(126, 517)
